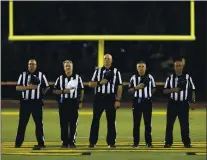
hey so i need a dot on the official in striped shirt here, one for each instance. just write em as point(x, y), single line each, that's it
point(108, 90)
point(142, 85)
point(178, 86)
point(71, 90)
point(33, 85)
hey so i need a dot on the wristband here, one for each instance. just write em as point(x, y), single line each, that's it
point(80, 101)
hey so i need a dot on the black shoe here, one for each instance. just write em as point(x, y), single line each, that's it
point(167, 146)
point(91, 145)
point(135, 146)
point(187, 146)
point(39, 147)
point(42, 145)
point(72, 146)
point(149, 145)
point(17, 146)
point(112, 146)
point(64, 145)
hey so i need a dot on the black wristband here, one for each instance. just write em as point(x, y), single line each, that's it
point(80, 101)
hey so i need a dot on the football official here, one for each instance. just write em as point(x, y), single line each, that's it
point(71, 90)
point(142, 85)
point(33, 85)
point(178, 86)
point(108, 90)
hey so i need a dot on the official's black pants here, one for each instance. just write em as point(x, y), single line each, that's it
point(145, 107)
point(180, 109)
point(101, 103)
point(28, 107)
point(68, 113)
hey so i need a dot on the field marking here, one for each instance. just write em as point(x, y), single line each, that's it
point(53, 148)
point(100, 150)
point(201, 154)
point(90, 113)
point(9, 113)
point(42, 154)
point(103, 142)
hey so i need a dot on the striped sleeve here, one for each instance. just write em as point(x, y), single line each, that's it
point(192, 86)
point(57, 83)
point(131, 82)
point(45, 82)
point(20, 80)
point(80, 83)
point(153, 81)
point(167, 83)
point(119, 80)
point(94, 78)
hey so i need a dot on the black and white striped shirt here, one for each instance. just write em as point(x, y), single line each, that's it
point(62, 82)
point(146, 92)
point(111, 86)
point(172, 82)
point(34, 94)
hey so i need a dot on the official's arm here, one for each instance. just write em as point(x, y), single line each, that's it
point(20, 86)
point(119, 90)
point(46, 85)
point(167, 88)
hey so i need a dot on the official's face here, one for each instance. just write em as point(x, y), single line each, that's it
point(141, 68)
point(107, 60)
point(178, 66)
point(68, 67)
point(32, 65)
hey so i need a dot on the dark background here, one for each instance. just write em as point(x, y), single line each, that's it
point(82, 18)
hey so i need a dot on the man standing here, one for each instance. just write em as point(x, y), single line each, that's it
point(33, 85)
point(108, 90)
point(142, 85)
point(70, 88)
point(178, 86)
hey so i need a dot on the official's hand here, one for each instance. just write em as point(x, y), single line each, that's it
point(176, 90)
point(44, 91)
point(131, 90)
point(139, 86)
point(31, 86)
point(66, 91)
point(92, 84)
point(117, 104)
point(103, 81)
point(80, 105)
point(192, 106)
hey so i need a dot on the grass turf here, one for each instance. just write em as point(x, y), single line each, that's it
point(124, 137)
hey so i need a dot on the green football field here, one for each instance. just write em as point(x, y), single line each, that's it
point(124, 151)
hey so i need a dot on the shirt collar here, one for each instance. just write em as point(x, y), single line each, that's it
point(35, 72)
point(73, 74)
point(110, 68)
point(137, 73)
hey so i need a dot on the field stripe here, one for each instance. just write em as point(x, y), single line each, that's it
point(103, 142)
point(5, 113)
point(101, 150)
point(201, 154)
point(53, 149)
point(43, 154)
